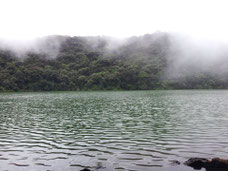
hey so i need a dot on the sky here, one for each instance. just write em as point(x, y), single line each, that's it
point(27, 19)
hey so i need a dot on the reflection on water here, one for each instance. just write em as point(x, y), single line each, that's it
point(125, 130)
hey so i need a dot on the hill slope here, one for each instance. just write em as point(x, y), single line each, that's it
point(102, 63)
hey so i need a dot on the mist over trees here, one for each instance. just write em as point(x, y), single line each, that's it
point(153, 61)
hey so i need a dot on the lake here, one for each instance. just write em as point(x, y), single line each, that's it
point(118, 130)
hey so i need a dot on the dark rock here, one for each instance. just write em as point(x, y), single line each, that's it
point(86, 169)
point(219, 163)
point(209, 165)
point(196, 163)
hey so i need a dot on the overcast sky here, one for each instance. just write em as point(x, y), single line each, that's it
point(26, 19)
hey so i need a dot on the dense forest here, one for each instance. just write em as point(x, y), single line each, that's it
point(101, 63)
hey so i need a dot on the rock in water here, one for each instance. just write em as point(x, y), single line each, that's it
point(209, 165)
point(196, 163)
point(86, 169)
point(219, 163)
point(175, 162)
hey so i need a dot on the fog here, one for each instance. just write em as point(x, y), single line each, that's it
point(48, 46)
point(185, 54)
point(188, 55)
point(197, 28)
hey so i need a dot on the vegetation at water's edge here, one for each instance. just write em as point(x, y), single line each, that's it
point(88, 63)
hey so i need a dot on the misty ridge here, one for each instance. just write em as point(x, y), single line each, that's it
point(153, 61)
point(183, 53)
point(48, 46)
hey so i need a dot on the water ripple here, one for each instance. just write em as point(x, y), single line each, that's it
point(128, 130)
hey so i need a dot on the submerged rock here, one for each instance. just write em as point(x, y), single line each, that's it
point(95, 169)
point(85, 169)
point(175, 162)
point(209, 165)
point(99, 167)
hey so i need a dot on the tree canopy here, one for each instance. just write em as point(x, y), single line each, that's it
point(96, 63)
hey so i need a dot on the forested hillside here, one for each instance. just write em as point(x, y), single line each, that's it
point(100, 63)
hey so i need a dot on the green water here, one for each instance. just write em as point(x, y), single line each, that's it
point(121, 130)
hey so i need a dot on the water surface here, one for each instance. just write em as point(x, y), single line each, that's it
point(120, 130)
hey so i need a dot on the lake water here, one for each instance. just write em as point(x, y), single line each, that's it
point(119, 130)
